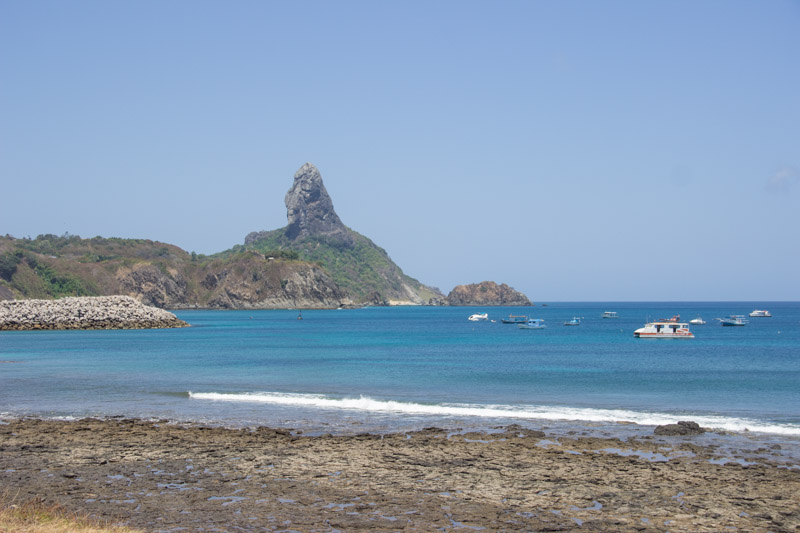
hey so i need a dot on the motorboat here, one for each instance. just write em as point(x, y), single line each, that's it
point(664, 329)
point(576, 321)
point(697, 321)
point(733, 320)
point(478, 317)
point(761, 313)
point(609, 314)
point(532, 323)
point(515, 319)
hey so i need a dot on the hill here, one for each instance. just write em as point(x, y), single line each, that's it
point(316, 234)
point(160, 274)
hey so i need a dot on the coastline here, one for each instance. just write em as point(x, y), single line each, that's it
point(160, 476)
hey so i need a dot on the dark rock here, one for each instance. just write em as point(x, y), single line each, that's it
point(682, 428)
point(309, 208)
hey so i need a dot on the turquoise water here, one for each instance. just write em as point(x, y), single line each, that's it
point(384, 368)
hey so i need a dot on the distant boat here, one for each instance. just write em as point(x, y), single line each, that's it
point(478, 317)
point(532, 323)
point(610, 314)
point(733, 320)
point(697, 321)
point(515, 319)
point(664, 329)
point(576, 321)
point(675, 318)
point(761, 313)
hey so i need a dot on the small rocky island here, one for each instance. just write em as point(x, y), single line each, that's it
point(96, 312)
point(486, 293)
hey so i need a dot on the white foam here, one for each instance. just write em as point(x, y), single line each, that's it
point(532, 412)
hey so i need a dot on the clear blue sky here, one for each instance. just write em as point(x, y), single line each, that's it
point(575, 150)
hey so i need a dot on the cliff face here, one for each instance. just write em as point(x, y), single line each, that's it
point(486, 293)
point(309, 208)
point(160, 275)
point(316, 233)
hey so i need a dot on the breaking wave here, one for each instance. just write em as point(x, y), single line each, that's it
point(530, 412)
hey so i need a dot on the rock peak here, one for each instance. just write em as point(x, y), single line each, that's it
point(309, 208)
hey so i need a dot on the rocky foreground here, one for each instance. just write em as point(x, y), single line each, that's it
point(165, 477)
point(97, 312)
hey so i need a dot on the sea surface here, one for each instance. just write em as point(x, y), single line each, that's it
point(401, 368)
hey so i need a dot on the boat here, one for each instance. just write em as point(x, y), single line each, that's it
point(664, 329)
point(515, 319)
point(761, 313)
point(532, 323)
point(675, 318)
point(478, 317)
point(610, 314)
point(576, 321)
point(697, 321)
point(733, 320)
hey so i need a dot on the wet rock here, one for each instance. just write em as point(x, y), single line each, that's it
point(682, 428)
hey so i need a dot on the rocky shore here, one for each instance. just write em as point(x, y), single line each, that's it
point(168, 477)
point(97, 312)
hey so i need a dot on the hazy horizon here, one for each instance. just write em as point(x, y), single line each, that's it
point(579, 152)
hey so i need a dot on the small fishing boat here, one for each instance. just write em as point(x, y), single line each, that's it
point(733, 320)
point(610, 314)
point(576, 321)
point(697, 321)
point(532, 323)
point(761, 313)
point(515, 319)
point(664, 329)
point(478, 317)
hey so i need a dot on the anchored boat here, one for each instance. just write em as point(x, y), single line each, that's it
point(532, 323)
point(477, 317)
point(515, 319)
point(761, 313)
point(664, 329)
point(733, 320)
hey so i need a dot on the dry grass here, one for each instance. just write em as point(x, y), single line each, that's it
point(37, 516)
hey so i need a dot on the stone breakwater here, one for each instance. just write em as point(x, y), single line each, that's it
point(98, 312)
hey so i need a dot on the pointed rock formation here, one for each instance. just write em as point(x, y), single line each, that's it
point(309, 208)
point(356, 264)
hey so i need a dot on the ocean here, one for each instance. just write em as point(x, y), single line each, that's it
point(386, 369)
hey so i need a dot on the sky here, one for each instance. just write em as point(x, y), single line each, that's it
point(577, 151)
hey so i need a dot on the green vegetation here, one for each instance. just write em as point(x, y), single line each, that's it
point(355, 262)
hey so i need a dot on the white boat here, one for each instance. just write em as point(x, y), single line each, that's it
point(478, 317)
point(733, 320)
point(761, 313)
point(532, 323)
point(576, 321)
point(610, 314)
point(664, 330)
point(697, 321)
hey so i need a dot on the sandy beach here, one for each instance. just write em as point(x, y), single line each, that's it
point(164, 477)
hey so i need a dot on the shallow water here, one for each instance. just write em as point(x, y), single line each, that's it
point(385, 369)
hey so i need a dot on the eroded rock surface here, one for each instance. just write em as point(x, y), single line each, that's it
point(165, 477)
